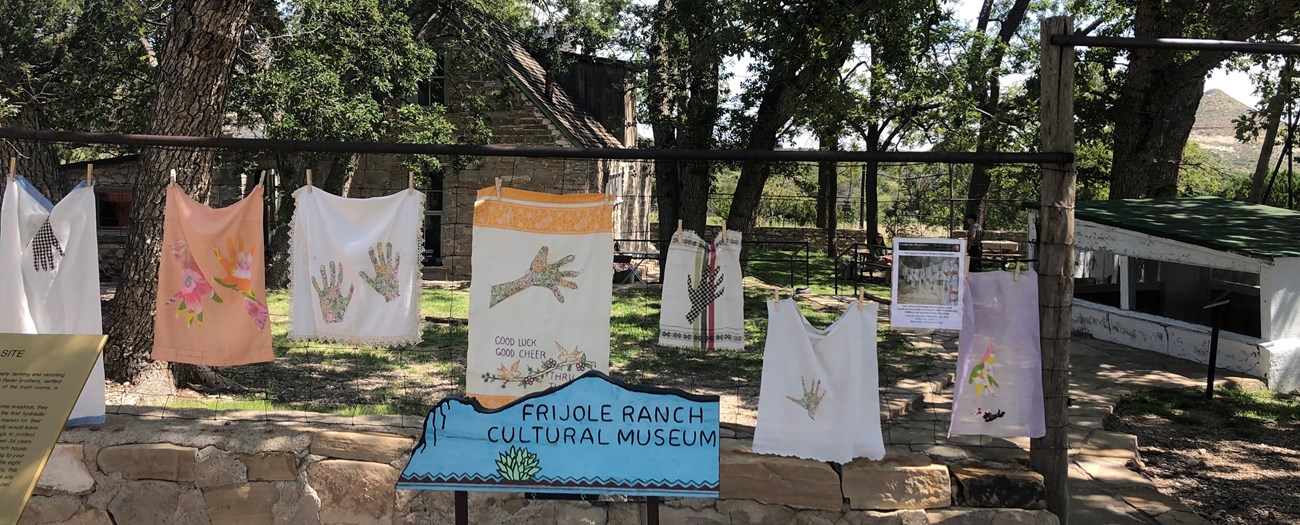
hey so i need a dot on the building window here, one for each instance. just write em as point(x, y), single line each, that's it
point(433, 221)
point(114, 210)
point(434, 90)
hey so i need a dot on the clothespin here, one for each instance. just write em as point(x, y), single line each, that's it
point(679, 230)
point(90, 173)
point(724, 230)
point(776, 298)
point(860, 305)
point(1016, 276)
point(173, 175)
point(13, 168)
point(309, 180)
point(498, 187)
point(410, 182)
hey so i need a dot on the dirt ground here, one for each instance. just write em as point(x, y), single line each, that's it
point(1232, 471)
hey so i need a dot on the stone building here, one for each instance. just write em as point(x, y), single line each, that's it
point(498, 85)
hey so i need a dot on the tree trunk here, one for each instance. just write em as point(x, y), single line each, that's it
point(1157, 105)
point(1153, 118)
point(667, 183)
point(193, 82)
point(987, 100)
point(828, 191)
point(871, 185)
point(1274, 111)
point(37, 161)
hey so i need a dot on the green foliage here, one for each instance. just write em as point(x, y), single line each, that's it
point(517, 464)
point(341, 70)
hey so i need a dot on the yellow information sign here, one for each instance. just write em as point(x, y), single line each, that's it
point(40, 379)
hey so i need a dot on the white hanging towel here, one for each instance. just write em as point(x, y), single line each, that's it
point(999, 388)
point(703, 298)
point(539, 302)
point(51, 286)
point(820, 397)
point(356, 268)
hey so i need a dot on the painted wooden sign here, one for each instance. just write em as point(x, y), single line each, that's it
point(592, 435)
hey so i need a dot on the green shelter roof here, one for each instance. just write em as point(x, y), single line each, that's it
point(1213, 222)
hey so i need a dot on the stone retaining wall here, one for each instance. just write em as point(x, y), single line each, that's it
point(310, 468)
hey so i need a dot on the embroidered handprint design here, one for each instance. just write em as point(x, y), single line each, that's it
point(812, 397)
point(194, 286)
point(332, 302)
point(703, 294)
point(540, 273)
point(237, 261)
point(981, 375)
point(385, 279)
point(44, 245)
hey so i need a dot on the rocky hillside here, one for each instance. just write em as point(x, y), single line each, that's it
point(1215, 131)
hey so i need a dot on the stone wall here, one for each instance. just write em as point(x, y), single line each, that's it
point(296, 468)
point(815, 237)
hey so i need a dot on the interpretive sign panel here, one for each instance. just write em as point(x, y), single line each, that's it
point(927, 283)
point(592, 435)
point(40, 379)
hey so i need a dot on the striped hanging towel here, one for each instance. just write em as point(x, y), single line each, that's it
point(703, 298)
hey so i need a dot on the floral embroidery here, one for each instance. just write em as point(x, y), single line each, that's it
point(570, 360)
point(194, 286)
point(238, 263)
point(981, 375)
point(332, 302)
point(385, 279)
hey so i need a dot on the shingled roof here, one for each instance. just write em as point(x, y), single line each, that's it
point(577, 125)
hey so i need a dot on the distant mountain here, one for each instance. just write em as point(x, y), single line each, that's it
point(1215, 131)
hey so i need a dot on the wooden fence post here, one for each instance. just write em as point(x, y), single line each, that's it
point(1049, 455)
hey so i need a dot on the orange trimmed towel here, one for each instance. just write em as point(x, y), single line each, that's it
point(539, 303)
point(212, 284)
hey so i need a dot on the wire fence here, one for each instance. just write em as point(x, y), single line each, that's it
point(313, 380)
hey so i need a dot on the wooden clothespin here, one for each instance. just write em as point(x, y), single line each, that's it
point(679, 230)
point(724, 230)
point(90, 174)
point(498, 186)
point(309, 180)
point(173, 175)
point(1016, 276)
point(13, 168)
point(410, 182)
point(860, 301)
point(776, 298)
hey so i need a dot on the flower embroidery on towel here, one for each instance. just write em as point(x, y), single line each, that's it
point(981, 375)
point(194, 286)
point(238, 263)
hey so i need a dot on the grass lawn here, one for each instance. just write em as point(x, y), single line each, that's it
point(821, 273)
point(1243, 412)
point(343, 379)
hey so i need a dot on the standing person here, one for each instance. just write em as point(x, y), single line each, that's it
point(974, 241)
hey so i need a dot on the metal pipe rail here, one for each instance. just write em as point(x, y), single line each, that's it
point(502, 150)
point(1182, 44)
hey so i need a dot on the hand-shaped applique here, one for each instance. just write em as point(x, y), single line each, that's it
point(385, 279)
point(703, 294)
point(332, 302)
point(44, 244)
point(238, 263)
point(540, 273)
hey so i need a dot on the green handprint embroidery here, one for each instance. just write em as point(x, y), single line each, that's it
point(540, 273)
point(332, 302)
point(385, 279)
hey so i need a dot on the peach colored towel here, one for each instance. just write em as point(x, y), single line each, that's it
point(212, 284)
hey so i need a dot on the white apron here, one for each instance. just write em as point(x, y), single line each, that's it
point(820, 397)
point(999, 389)
point(51, 286)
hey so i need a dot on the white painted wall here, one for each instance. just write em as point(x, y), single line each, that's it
point(1170, 337)
point(1279, 293)
point(1093, 236)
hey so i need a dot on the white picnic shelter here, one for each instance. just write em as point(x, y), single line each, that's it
point(1146, 268)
